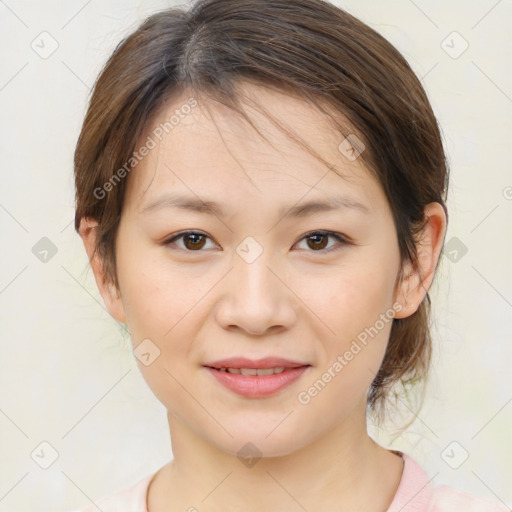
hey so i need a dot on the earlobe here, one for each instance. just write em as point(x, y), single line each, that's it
point(110, 294)
point(416, 281)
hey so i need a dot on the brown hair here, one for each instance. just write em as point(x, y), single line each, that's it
point(309, 48)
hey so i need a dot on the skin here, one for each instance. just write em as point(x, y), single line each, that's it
point(295, 301)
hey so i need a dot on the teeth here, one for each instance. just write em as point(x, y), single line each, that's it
point(266, 371)
point(253, 371)
point(248, 371)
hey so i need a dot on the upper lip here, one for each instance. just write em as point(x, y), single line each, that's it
point(266, 362)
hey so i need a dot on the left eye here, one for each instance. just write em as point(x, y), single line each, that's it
point(194, 241)
point(318, 240)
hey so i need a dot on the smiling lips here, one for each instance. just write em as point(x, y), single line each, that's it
point(256, 378)
point(253, 371)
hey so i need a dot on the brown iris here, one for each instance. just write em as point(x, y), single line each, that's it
point(318, 246)
point(197, 239)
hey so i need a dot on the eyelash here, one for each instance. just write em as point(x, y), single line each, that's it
point(342, 239)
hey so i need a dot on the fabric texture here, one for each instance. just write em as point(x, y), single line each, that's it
point(415, 493)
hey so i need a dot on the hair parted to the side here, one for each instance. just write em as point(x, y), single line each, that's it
point(308, 48)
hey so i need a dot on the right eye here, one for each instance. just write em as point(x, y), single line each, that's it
point(193, 241)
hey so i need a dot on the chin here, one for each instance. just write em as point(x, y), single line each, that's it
point(257, 438)
point(250, 448)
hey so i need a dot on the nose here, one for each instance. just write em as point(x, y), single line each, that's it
point(256, 298)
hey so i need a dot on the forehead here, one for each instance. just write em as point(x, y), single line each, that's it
point(204, 148)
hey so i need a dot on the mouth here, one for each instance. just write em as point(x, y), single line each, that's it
point(266, 363)
point(252, 371)
point(256, 378)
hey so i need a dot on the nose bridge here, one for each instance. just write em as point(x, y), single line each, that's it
point(256, 299)
point(252, 269)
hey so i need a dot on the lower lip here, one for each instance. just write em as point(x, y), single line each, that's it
point(257, 386)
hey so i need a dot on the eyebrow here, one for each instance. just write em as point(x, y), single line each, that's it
point(298, 210)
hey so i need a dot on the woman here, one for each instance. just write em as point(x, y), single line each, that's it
point(261, 192)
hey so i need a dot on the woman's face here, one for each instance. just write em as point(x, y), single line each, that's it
point(258, 278)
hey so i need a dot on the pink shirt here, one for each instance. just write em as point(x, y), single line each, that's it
point(415, 493)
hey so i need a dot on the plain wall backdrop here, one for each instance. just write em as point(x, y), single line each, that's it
point(71, 395)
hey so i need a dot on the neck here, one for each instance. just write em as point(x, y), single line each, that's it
point(343, 470)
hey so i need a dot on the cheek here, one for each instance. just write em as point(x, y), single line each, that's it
point(355, 303)
point(166, 305)
point(157, 296)
point(352, 298)
point(358, 309)
point(161, 307)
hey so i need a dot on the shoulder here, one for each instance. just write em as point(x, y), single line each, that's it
point(131, 499)
point(416, 493)
point(446, 498)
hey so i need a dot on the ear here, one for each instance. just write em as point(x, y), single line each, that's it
point(416, 282)
point(108, 291)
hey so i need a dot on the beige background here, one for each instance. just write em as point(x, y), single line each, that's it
point(67, 376)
